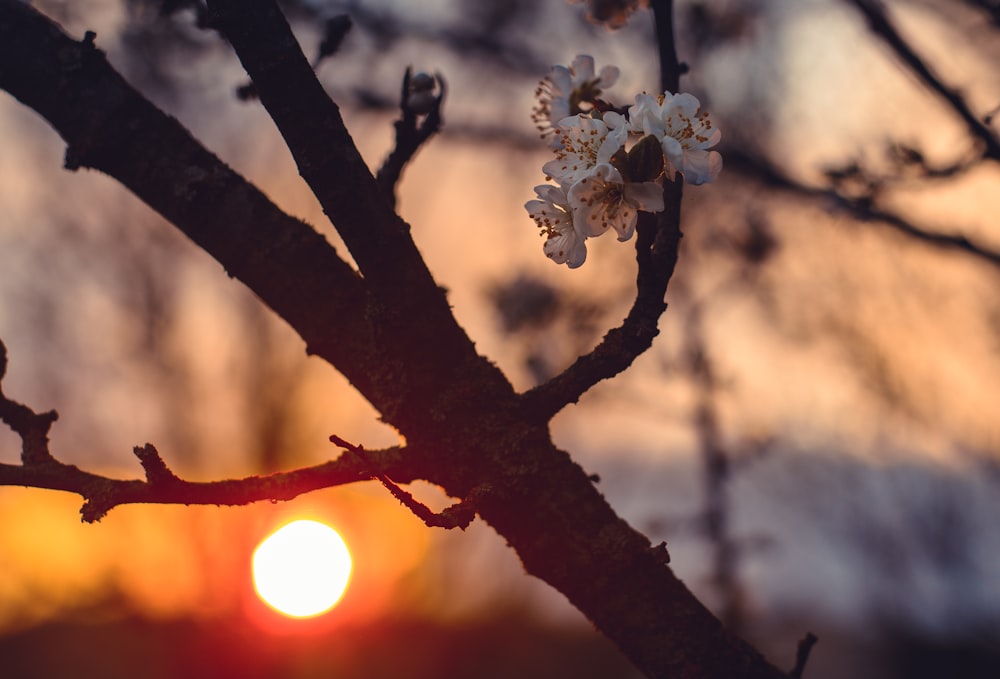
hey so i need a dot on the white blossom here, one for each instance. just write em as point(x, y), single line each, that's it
point(564, 244)
point(603, 200)
point(567, 91)
point(583, 143)
point(604, 178)
point(684, 130)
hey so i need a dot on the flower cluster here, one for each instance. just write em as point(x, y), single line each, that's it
point(608, 164)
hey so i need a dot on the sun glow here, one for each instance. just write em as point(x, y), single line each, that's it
point(301, 570)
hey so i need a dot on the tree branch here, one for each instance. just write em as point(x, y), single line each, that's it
point(404, 350)
point(109, 126)
point(459, 515)
point(802, 655)
point(327, 158)
point(33, 428)
point(102, 494)
point(112, 128)
point(657, 243)
point(860, 209)
point(670, 68)
point(419, 343)
point(409, 135)
point(39, 469)
point(874, 12)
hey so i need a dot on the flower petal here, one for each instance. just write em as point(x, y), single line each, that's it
point(609, 76)
point(552, 194)
point(686, 103)
point(615, 120)
point(562, 81)
point(567, 248)
point(701, 167)
point(583, 69)
point(625, 222)
point(674, 152)
point(646, 196)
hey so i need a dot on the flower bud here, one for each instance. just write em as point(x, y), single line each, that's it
point(421, 103)
point(421, 82)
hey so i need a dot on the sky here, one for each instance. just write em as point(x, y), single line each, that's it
point(856, 370)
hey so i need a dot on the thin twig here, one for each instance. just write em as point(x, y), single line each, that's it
point(670, 69)
point(802, 655)
point(458, 515)
point(658, 239)
point(874, 12)
point(40, 469)
point(102, 494)
point(861, 209)
point(410, 135)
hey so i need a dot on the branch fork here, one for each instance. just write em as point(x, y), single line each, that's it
point(458, 515)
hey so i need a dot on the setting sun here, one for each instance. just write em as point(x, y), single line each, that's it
point(302, 569)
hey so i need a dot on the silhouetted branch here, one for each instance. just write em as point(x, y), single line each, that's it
point(990, 7)
point(943, 240)
point(670, 69)
point(417, 102)
point(112, 128)
point(859, 208)
point(292, 268)
point(802, 655)
point(878, 21)
point(391, 332)
point(907, 165)
point(39, 469)
point(327, 159)
point(102, 494)
point(33, 428)
point(657, 242)
point(335, 29)
point(459, 515)
point(412, 325)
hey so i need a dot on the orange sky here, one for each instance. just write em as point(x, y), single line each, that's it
point(849, 302)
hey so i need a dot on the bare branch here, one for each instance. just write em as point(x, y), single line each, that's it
point(670, 69)
point(409, 135)
point(39, 469)
point(802, 655)
point(657, 242)
point(990, 7)
point(111, 127)
point(874, 12)
point(860, 208)
point(102, 494)
point(459, 515)
point(291, 267)
point(327, 158)
point(23, 421)
point(412, 328)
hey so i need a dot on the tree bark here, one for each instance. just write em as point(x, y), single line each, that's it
point(387, 328)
